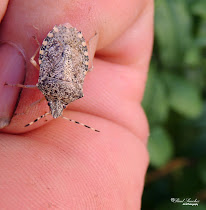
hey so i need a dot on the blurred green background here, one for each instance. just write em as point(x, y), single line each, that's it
point(175, 104)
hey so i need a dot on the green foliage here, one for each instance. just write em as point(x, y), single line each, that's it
point(173, 31)
point(183, 96)
point(198, 8)
point(155, 100)
point(202, 170)
point(160, 147)
point(175, 104)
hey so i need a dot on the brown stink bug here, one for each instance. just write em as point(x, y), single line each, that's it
point(63, 60)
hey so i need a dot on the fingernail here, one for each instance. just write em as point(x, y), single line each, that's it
point(4, 122)
point(12, 71)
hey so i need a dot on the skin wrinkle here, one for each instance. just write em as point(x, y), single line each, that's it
point(134, 98)
point(120, 124)
point(126, 22)
point(141, 137)
point(65, 142)
point(120, 53)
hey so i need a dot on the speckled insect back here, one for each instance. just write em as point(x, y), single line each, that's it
point(63, 60)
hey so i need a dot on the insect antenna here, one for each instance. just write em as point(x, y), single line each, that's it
point(37, 119)
point(86, 126)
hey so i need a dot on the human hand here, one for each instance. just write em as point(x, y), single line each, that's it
point(59, 164)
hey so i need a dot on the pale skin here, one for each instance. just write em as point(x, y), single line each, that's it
point(61, 165)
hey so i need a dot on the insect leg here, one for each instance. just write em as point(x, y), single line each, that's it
point(86, 126)
point(38, 101)
point(36, 41)
point(44, 115)
point(89, 42)
point(33, 62)
point(91, 45)
point(20, 85)
point(31, 105)
point(91, 68)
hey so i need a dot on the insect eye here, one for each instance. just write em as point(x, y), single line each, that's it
point(64, 106)
point(49, 103)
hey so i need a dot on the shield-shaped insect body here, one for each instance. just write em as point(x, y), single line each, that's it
point(63, 60)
